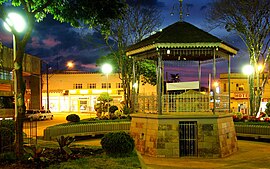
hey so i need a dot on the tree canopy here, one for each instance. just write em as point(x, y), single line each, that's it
point(138, 22)
point(76, 12)
point(250, 20)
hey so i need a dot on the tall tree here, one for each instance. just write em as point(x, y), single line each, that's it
point(76, 12)
point(140, 21)
point(250, 20)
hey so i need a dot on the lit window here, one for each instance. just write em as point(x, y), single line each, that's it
point(239, 87)
point(104, 85)
point(77, 86)
point(119, 85)
point(92, 86)
point(5, 74)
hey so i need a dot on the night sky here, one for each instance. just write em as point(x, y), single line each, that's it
point(57, 43)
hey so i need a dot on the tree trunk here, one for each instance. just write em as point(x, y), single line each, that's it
point(20, 102)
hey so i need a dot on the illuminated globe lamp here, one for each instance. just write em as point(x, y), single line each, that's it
point(70, 65)
point(248, 70)
point(106, 68)
point(14, 21)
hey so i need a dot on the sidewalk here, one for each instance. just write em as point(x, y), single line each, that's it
point(251, 155)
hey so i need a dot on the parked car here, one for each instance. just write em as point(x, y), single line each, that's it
point(45, 115)
point(32, 114)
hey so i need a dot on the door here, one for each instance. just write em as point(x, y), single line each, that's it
point(188, 138)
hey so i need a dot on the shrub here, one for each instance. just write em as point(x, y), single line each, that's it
point(118, 113)
point(112, 109)
point(8, 124)
point(237, 116)
point(117, 144)
point(64, 143)
point(7, 157)
point(7, 137)
point(267, 110)
point(73, 118)
point(253, 119)
point(126, 110)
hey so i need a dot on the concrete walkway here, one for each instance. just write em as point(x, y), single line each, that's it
point(251, 155)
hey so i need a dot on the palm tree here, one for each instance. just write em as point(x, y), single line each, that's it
point(175, 78)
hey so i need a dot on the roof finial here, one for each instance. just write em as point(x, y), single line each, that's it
point(181, 10)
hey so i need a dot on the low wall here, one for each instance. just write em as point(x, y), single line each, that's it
point(53, 132)
point(254, 131)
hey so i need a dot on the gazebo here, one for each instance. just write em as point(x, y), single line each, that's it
point(191, 123)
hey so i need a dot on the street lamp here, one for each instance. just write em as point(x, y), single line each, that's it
point(107, 69)
point(14, 22)
point(248, 70)
point(70, 65)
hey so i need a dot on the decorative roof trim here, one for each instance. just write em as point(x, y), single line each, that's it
point(142, 49)
point(183, 45)
point(188, 45)
point(228, 48)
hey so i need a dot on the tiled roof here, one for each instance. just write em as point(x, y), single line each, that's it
point(180, 34)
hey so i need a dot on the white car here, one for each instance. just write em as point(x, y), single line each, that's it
point(32, 114)
point(45, 115)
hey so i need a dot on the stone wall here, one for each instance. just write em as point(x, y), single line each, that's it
point(158, 135)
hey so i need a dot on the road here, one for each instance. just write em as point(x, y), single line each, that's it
point(59, 118)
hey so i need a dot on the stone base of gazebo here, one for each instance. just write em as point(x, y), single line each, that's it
point(185, 135)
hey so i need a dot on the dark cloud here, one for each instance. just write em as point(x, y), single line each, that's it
point(57, 43)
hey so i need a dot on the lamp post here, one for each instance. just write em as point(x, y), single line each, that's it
point(47, 86)
point(14, 23)
point(248, 70)
point(107, 69)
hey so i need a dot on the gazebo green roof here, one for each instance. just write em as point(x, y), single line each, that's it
point(181, 36)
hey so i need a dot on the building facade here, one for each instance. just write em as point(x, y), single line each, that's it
point(31, 75)
point(239, 90)
point(74, 91)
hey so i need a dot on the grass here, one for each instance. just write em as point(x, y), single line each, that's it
point(101, 162)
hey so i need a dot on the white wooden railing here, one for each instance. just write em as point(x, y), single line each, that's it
point(185, 102)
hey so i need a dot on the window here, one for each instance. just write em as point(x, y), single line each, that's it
point(5, 74)
point(77, 86)
point(92, 86)
point(104, 85)
point(224, 87)
point(120, 92)
point(119, 85)
point(239, 87)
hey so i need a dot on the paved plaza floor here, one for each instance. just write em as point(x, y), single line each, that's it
point(250, 155)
